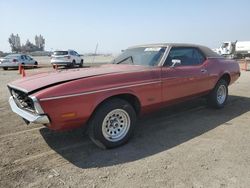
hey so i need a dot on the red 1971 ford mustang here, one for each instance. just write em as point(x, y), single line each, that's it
point(108, 99)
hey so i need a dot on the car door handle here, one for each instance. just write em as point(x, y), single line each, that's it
point(203, 70)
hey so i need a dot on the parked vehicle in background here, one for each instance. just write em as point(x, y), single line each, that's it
point(108, 99)
point(1, 59)
point(235, 50)
point(69, 58)
point(13, 61)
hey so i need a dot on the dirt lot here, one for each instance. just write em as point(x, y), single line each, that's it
point(188, 145)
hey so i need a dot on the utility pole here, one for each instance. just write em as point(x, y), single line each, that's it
point(95, 53)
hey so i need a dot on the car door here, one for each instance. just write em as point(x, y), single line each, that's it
point(23, 59)
point(30, 61)
point(78, 58)
point(27, 60)
point(187, 77)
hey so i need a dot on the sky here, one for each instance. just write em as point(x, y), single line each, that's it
point(116, 25)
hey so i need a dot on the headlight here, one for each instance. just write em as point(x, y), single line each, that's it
point(37, 106)
point(13, 93)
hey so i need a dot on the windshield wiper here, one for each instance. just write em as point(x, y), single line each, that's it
point(129, 57)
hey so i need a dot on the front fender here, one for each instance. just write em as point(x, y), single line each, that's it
point(103, 96)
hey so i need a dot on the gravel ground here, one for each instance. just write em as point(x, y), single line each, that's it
point(187, 145)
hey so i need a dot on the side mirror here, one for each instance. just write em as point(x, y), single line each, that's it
point(175, 62)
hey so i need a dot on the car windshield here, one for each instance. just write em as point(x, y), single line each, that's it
point(145, 56)
point(28, 57)
point(60, 53)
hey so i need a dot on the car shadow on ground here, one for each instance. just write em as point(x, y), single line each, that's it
point(155, 133)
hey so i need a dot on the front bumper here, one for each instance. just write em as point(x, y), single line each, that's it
point(30, 117)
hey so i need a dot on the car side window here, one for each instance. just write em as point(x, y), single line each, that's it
point(28, 57)
point(198, 56)
point(187, 56)
point(23, 57)
point(71, 53)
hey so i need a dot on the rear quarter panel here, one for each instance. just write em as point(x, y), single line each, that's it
point(218, 67)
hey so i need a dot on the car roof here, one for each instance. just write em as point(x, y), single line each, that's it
point(14, 55)
point(207, 51)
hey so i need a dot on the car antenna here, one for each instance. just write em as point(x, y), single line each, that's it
point(95, 53)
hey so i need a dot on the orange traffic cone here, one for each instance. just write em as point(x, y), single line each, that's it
point(20, 68)
point(23, 72)
point(244, 66)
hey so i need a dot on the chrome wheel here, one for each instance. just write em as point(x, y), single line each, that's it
point(221, 94)
point(116, 125)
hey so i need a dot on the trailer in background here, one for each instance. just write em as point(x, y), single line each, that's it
point(234, 50)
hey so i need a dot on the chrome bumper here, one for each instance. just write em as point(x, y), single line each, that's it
point(33, 118)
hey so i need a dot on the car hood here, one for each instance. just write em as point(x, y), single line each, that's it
point(47, 79)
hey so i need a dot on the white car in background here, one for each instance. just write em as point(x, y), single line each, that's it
point(13, 61)
point(67, 58)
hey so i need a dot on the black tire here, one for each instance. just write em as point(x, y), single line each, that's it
point(81, 64)
point(5, 68)
point(98, 128)
point(214, 99)
point(35, 65)
point(73, 64)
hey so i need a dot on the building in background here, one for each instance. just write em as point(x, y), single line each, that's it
point(40, 42)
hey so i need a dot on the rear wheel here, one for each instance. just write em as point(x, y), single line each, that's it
point(81, 63)
point(218, 96)
point(73, 64)
point(112, 124)
point(5, 68)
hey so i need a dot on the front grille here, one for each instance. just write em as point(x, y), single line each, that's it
point(22, 100)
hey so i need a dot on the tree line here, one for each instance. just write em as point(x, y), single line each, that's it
point(15, 44)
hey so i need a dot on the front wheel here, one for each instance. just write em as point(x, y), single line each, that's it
point(35, 65)
point(112, 124)
point(218, 96)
